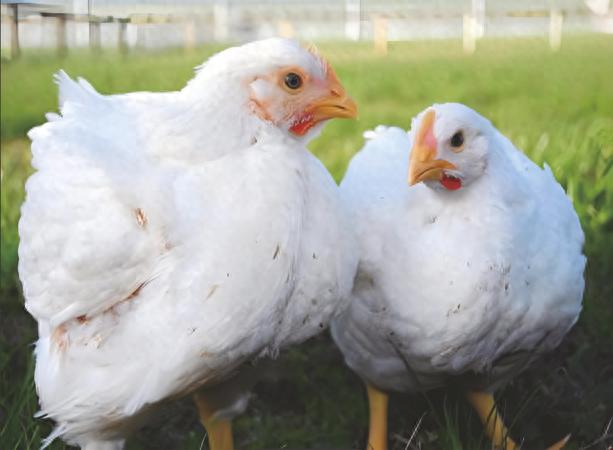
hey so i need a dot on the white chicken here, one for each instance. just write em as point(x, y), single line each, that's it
point(467, 272)
point(168, 237)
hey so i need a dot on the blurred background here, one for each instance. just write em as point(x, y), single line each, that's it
point(542, 71)
point(141, 24)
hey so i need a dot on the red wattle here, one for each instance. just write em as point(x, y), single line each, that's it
point(303, 126)
point(451, 183)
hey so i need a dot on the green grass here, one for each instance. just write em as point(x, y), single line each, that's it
point(558, 107)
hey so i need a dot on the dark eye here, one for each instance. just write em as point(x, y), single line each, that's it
point(457, 139)
point(293, 80)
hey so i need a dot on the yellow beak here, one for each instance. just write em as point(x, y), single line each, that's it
point(334, 104)
point(337, 104)
point(422, 164)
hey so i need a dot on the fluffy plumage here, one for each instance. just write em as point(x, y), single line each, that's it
point(465, 285)
point(168, 237)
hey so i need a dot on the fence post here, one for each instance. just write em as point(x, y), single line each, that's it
point(61, 35)
point(469, 38)
point(556, 20)
point(380, 34)
point(285, 29)
point(190, 34)
point(94, 33)
point(353, 19)
point(221, 16)
point(15, 50)
point(122, 29)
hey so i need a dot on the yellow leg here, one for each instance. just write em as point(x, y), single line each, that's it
point(219, 430)
point(560, 444)
point(377, 432)
point(485, 406)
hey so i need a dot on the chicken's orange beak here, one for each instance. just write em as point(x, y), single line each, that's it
point(422, 164)
point(336, 103)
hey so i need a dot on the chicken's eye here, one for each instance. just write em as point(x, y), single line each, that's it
point(457, 140)
point(293, 80)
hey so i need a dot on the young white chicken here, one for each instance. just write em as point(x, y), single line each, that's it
point(166, 238)
point(467, 272)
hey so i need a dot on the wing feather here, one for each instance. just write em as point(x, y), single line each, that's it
point(89, 230)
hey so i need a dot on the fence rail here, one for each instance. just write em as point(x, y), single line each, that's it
point(222, 21)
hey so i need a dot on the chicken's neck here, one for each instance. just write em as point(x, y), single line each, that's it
point(208, 124)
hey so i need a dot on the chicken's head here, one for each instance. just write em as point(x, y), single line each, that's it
point(450, 146)
point(298, 98)
point(280, 82)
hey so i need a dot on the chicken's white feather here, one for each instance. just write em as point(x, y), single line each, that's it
point(158, 254)
point(480, 280)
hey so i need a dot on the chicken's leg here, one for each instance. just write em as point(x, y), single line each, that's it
point(219, 430)
point(485, 406)
point(377, 433)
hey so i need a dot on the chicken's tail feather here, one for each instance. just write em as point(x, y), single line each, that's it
point(79, 91)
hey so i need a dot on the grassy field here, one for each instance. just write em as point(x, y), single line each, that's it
point(557, 107)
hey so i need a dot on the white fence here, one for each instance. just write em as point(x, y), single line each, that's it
point(152, 24)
